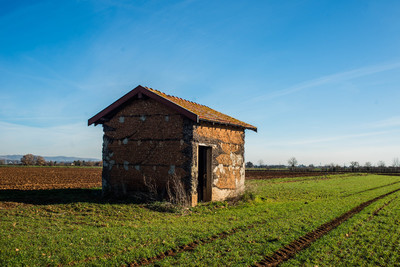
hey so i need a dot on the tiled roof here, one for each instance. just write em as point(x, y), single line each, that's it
point(192, 110)
point(203, 112)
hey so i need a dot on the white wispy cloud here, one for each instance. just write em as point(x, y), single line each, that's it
point(333, 78)
point(328, 140)
point(69, 140)
point(386, 123)
point(336, 138)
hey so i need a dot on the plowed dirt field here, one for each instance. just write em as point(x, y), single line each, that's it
point(34, 178)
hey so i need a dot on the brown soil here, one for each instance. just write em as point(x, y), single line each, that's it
point(38, 178)
point(10, 205)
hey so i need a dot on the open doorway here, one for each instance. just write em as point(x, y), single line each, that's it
point(205, 177)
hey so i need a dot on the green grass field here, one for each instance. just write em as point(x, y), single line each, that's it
point(76, 227)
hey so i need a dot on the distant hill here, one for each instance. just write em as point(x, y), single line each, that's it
point(56, 158)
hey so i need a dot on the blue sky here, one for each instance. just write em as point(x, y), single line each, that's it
point(320, 79)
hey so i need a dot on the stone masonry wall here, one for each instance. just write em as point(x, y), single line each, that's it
point(145, 140)
point(227, 144)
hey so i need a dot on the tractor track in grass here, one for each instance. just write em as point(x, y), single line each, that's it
point(371, 189)
point(191, 246)
point(304, 241)
point(314, 178)
point(330, 225)
point(295, 246)
point(173, 251)
point(374, 213)
point(303, 180)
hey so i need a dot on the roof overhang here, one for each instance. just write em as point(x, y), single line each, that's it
point(250, 127)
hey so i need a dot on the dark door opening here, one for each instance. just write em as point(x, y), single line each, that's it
point(204, 179)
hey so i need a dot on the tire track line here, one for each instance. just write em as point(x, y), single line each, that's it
point(173, 251)
point(191, 246)
point(356, 227)
point(303, 242)
point(370, 189)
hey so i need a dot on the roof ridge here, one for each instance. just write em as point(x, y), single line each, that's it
point(172, 96)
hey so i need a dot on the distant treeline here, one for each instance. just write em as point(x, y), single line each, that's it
point(32, 160)
point(354, 166)
point(328, 169)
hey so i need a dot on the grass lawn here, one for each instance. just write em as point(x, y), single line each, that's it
point(76, 227)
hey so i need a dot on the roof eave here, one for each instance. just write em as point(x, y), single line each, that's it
point(248, 126)
point(96, 118)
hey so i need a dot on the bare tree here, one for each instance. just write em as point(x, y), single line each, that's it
point(89, 163)
point(396, 162)
point(40, 161)
point(28, 159)
point(260, 163)
point(292, 162)
point(368, 164)
point(381, 163)
point(354, 164)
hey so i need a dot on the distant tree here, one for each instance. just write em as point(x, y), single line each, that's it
point(99, 163)
point(396, 162)
point(249, 164)
point(260, 163)
point(368, 164)
point(78, 163)
point(330, 166)
point(40, 161)
point(292, 162)
point(381, 163)
point(354, 164)
point(89, 163)
point(28, 159)
point(2, 161)
point(311, 166)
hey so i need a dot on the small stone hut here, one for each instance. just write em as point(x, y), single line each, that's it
point(151, 137)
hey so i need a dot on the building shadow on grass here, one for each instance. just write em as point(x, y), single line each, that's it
point(63, 196)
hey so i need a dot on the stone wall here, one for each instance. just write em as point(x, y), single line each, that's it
point(148, 141)
point(228, 172)
point(145, 140)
